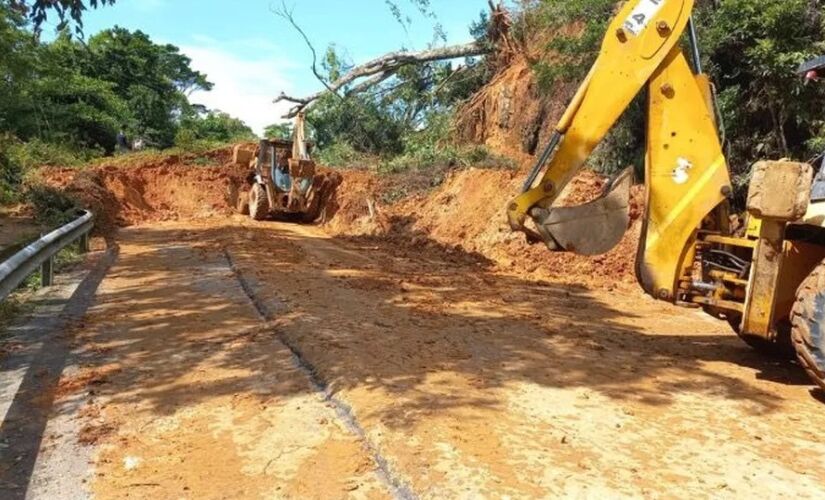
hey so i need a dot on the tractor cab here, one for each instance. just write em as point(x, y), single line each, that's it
point(276, 163)
point(282, 177)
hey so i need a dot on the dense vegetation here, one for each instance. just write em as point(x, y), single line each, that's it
point(67, 100)
point(751, 49)
point(404, 122)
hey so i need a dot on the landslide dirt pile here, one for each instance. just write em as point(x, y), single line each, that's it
point(467, 214)
point(467, 211)
point(139, 189)
point(133, 190)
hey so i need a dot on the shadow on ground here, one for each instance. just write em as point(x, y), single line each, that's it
point(373, 315)
point(45, 351)
point(434, 328)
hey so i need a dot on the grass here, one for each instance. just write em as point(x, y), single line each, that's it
point(19, 302)
point(344, 156)
point(445, 157)
point(427, 168)
point(421, 169)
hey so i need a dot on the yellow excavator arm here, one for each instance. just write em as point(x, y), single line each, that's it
point(769, 283)
point(687, 178)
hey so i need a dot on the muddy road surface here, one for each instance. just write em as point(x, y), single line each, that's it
point(232, 359)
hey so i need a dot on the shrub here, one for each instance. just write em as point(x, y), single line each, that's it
point(18, 159)
point(751, 49)
point(343, 155)
point(444, 157)
point(51, 206)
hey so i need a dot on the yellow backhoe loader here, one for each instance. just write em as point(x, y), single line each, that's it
point(768, 282)
point(282, 178)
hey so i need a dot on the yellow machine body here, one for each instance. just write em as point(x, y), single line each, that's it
point(688, 254)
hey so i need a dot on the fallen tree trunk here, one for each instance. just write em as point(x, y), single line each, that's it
point(382, 68)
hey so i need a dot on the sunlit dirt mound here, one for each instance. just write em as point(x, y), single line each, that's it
point(356, 210)
point(137, 190)
point(468, 213)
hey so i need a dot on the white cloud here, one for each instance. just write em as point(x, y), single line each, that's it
point(244, 85)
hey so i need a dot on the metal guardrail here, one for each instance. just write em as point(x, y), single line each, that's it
point(41, 254)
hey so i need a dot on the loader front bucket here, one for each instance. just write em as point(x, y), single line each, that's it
point(590, 229)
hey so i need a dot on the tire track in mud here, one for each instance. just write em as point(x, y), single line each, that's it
point(398, 486)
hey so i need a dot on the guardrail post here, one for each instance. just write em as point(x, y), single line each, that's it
point(40, 254)
point(83, 243)
point(47, 273)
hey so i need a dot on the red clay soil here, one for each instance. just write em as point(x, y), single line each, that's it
point(467, 213)
point(127, 192)
point(136, 189)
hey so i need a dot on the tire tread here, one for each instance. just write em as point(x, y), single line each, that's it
point(258, 203)
point(802, 316)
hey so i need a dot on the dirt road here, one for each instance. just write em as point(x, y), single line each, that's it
point(228, 359)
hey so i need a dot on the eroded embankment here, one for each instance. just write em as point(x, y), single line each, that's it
point(140, 189)
point(143, 189)
point(465, 213)
point(511, 116)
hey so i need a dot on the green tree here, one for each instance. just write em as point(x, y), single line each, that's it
point(44, 95)
point(381, 120)
point(214, 127)
point(279, 131)
point(17, 66)
point(751, 49)
point(64, 101)
point(154, 80)
point(67, 11)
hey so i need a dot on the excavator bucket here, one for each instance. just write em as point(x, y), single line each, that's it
point(590, 229)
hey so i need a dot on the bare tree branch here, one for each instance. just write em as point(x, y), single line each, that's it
point(287, 13)
point(369, 83)
point(383, 68)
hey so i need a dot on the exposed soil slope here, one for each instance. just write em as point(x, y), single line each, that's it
point(136, 189)
point(510, 115)
point(467, 213)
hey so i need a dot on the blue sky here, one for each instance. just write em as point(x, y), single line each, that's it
point(251, 55)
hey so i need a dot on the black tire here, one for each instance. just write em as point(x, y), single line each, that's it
point(313, 210)
point(258, 203)
point(781, 348)
point(808, 318)
point(243, 204)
